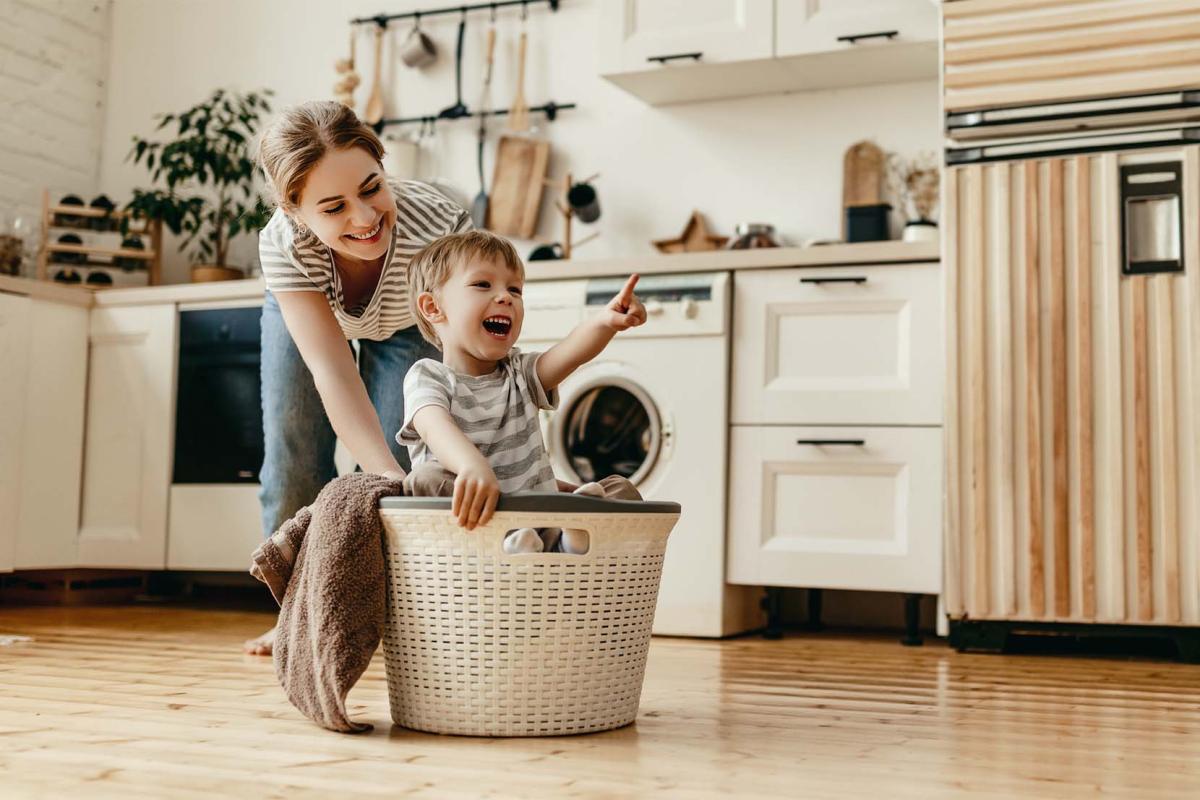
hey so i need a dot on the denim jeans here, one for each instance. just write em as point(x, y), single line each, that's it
point(298, 440)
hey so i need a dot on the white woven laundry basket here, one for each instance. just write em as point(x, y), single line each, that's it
point(483, 643)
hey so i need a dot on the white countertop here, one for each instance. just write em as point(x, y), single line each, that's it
point(650, 264)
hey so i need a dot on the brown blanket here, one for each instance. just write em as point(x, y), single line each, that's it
point(332, 598)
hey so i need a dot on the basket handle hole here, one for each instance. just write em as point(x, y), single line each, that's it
point(567, 541)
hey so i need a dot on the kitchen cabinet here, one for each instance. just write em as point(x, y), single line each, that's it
point(831, 346)
point(43, 359)
point(670, 51)
point(821, 26)
point(1072, 427)
point(836, 438)
point(713, 30)
point(127, 448)
point(1019, 52)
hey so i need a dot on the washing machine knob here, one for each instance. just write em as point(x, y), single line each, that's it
point(690, 308)
point(654, 307)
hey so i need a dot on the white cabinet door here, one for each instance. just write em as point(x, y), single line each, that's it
point(56, 385)
point(634, 33)
point(821, 26)
point(14, 374)
point(838, 346)
point(862, 511)
point(127, 449)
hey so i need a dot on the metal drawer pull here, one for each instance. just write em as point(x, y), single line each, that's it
point(854, 279)
point(881, 35)
point(837, 442)
point(675, 57)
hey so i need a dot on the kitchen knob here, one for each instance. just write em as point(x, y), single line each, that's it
point(690, 308)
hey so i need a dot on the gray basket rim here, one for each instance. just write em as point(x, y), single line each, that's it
point(541, 502)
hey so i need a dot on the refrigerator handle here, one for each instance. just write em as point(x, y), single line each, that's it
point(1152, 223)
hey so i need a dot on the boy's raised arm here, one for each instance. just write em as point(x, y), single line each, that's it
point(589, 338)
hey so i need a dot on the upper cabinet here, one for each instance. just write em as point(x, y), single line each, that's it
point(675, 51)
point(823, 26)
point(653, 32)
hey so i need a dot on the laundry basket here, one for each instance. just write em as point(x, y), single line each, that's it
point(483, 643)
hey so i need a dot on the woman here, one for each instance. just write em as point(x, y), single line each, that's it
point(334, 257)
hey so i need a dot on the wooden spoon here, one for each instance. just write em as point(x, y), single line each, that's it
point(374, 109)
point(518, 112)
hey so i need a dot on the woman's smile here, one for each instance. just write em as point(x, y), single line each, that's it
point(367, 237)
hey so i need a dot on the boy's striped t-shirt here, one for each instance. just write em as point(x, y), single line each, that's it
point(498, 412)
point(295, 263)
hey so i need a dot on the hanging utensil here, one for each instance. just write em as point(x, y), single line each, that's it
point(343, 90)
point(458, 109)
point(374, 110)
point(479, 208)
point(518, 112)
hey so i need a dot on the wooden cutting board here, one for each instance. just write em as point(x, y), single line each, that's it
point(862, 175)
point(517, 184)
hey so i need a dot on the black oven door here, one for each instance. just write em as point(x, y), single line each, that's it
point(218, 410)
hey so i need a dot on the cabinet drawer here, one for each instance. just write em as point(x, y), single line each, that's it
point(836, 346)
point(860, 512)
point(1014, 52)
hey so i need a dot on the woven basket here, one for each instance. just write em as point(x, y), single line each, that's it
point(482, 643)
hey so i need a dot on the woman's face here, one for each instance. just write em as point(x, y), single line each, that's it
point(346, 203)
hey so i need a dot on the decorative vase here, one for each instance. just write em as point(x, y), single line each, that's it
point(920, 230)
point(203, 273)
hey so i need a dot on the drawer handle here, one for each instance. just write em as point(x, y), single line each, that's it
point(834, 442)
point(859, 279)
point(853, 39)
point(675, 57)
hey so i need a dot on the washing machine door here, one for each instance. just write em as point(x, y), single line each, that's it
point(606, 424)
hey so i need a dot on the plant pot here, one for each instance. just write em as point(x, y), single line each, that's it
point(203, 273)
point(920, 230)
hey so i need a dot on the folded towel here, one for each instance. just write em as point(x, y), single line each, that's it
point(332, 597)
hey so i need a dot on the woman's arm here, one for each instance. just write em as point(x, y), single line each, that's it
point(327, 354)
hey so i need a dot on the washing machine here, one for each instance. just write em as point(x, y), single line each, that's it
point(653, 407)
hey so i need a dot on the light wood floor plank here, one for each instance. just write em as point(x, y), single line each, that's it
point(159, 702)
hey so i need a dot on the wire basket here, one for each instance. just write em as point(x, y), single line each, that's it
point(483, 643)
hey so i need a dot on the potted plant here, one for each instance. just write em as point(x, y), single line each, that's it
point(914, 183)
point(210, 196)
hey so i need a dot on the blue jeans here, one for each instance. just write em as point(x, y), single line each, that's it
point(298, 440)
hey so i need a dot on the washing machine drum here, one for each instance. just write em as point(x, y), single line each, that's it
point(608, 427)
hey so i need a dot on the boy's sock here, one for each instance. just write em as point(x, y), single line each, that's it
point(574, 540)
point(523, 540)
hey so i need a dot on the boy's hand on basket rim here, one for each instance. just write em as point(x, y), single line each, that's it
point(476, 492)
point(625, 311)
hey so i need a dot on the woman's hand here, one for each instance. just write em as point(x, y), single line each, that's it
point(476, 492)
point(625, 311)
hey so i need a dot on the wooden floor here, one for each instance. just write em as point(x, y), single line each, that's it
point(159, 702)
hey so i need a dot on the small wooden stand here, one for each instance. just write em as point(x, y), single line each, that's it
point(564, 208)
point(151, 229)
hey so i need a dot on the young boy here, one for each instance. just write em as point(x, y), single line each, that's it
point(471, 421)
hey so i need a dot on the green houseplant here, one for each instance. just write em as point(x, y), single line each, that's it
point(210, 195)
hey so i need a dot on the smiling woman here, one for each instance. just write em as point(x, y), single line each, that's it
point(334, 256)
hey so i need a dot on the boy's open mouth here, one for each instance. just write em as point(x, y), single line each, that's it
point(498, 326)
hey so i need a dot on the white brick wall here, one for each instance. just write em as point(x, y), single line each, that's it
point(54, 57)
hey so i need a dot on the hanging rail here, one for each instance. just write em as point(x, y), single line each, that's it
point(550, 109)
point(382, 20)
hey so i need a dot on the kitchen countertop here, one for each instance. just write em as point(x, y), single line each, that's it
point(650, 264)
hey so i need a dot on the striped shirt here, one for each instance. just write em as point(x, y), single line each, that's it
point(295, 263)
point(498, 412)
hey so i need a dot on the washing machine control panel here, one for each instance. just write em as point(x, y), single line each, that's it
point(676, 305)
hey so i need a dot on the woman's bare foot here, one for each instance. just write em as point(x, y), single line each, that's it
point(262, 645)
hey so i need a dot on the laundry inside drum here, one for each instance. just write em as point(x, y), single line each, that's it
point(610, 431)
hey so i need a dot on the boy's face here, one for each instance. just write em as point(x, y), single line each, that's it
point(481, 310)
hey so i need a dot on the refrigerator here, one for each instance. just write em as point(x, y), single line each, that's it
point(1071, 235)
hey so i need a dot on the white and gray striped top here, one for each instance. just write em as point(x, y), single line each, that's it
point(498, 412)
point(291, 263)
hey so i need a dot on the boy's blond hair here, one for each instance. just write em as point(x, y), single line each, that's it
point(432, 266)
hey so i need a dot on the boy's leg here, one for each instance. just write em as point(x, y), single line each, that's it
point(429, 480)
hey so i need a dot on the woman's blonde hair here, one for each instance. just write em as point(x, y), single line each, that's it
point(300, 137)
point(432, 266)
